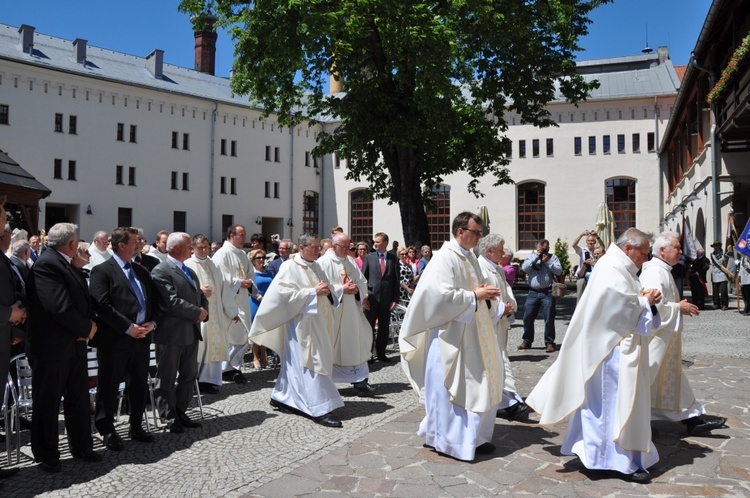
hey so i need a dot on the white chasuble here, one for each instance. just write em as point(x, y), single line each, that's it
point(235, 266)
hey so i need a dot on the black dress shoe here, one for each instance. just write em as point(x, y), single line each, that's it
point(328, 420)
point(50, 466)
point(384, 358)
point(207, 388)
point(239, 378)
point(88, 455)
point(281, 406)
point(519, 411)
point(640, 476)
point(703, 424)
point(187, 423)
point(229, 373)
point(138, 434)
point(485, 449)
point(5, 473)
point(176, 428)
point(364, 389)
point(113, 442)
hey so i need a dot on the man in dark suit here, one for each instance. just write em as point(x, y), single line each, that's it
point(381, 269)
point(183, 307)
point(146, 260)
point(11, 310)
point(127, 306)
point(35, 247)
point(60, 321)
point(285, 249)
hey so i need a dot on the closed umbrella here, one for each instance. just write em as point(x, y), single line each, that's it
point(605, 225)
point(485, 215)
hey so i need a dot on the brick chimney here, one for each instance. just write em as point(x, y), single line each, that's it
point(26, 38)
point(205, 43)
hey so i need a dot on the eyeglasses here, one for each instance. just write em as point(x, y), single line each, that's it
point(478, 233)
point(259, 257)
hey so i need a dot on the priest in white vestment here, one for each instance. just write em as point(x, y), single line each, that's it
point(295, 319)
point(671, 396)
point(352, 335)
point(237, 271)
point(213, 349)
point(99, 249)
point(601, 378)
point(449, 347)
point(491, 250)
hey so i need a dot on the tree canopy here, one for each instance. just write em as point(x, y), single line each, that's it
point(426, 83)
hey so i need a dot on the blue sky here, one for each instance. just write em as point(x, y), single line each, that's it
point(139, 26)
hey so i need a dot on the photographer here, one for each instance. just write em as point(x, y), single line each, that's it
point(542, 268)
point(585, 257)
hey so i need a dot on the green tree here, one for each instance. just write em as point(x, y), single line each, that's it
point(426, 83)
point(561, 251)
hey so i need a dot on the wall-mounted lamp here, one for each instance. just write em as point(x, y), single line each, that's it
point(690, 198)
point(669, 217)
point(88, 209)
point(680, 208)
point(258, 220)
point(289, 223)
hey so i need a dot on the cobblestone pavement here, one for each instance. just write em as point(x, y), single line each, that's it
point(245, 448)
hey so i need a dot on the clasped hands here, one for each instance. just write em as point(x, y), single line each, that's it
point(140, 331)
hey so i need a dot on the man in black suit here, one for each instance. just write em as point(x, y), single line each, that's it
point(285, 250)
point(183, 307)
point(381, 269)
point(11, 311)
point(146, 260)
point(127, 306)
point(60, 321)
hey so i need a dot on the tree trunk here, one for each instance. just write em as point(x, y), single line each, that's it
point(408, 190)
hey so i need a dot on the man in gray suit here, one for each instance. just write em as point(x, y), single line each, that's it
point(183, 307)
point(381, 269)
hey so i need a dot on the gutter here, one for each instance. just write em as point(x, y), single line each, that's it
point(211, 173)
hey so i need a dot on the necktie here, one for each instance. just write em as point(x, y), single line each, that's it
point(187, 274)
point(136, 289)
point(382, 263)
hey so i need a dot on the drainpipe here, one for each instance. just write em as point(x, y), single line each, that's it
point(211, 173)
point(658, 159)
point(291, 182)
point(714, 150)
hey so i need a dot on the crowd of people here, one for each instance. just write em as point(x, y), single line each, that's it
point(323, 309)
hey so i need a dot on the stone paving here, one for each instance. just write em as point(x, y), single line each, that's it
point(245, 448)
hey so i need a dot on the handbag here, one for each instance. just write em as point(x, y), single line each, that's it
point(558, 290)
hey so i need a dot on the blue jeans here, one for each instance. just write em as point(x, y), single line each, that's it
point(534, 301)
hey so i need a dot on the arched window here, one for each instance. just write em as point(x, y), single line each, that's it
point(439, 217)
point(360, 212)
point(621, 201)
point(310, 204)
point(531, 221)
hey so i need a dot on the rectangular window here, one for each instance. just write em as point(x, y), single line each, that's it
point(651, 141)
point(179, 221)
point(522, 148)
point(336, 161)
point(636, 142)
point(307, 159)
point(118, 176)
point(592, 145)
point(73, 125)
point(233, 148)
point(131, 176)
point(124, 217)
point(186, 141)
point(223, 185)
point(605, 144)
point(71, 170)
point(57, 172)
point(185, 181)
point(275, 190)
point(58, 123)
point(276, 155)
point(227, 220)
point(577, 146)
point(133, 134)
point(174, 180)
point(550, 147)
point(4, 114)
point(268, 152)
point(535, 147)
point(621, 144)
point(175, 139)
point(223, 147)
point(120, 132)
point(268, 190)
point(233, 186)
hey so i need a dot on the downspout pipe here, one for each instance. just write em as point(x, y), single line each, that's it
point(211, 168)
point(291, 182)
point(714, 149)
point(658, 160)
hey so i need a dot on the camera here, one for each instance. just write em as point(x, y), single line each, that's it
point(545, 251)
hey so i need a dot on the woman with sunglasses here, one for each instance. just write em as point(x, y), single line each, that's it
point(262, 281)
point(406, 278)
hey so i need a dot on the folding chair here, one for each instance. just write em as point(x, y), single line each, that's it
point(397, 318)
point(11, 419)
point(152, 365)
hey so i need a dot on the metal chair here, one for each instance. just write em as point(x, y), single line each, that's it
point(11, 419)
point(397, 318)
point(92, 364)
point(152, 365)
point(23, 383)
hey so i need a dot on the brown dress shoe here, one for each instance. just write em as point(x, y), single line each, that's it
point(550, 348)
point(523, 346)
